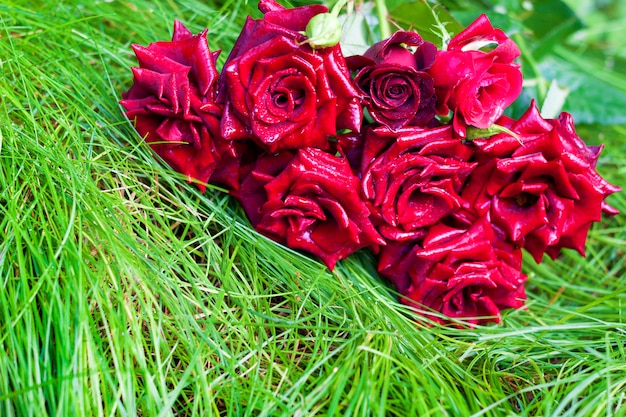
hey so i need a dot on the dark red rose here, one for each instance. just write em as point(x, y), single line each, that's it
point(350, 145)
point(280, 92)
point(462, 273)
point(397, 89)
point(257, 174)
point(541, 188)
point(172, 103)
point(412, 178)
point(395, 260)
point(309, 200)
point(475, 81)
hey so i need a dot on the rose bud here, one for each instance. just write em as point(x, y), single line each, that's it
point(398, 92)
point(280, 92)
point(172, 104)
point(412, 178)
point(324, 29)
point(475, 77)
point(311, 204)
point(544, 192)
point(466, 274)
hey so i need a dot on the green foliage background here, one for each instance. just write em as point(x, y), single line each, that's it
point(124, 291)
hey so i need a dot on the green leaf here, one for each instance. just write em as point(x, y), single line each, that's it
point(593, 98)
point(549, 17)
point(508, 23)
point(551, 22)
point(358, 30)
point(463, 4)
point(434, 24)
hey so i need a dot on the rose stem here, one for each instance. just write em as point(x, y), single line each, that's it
point(534, 67)
point(383, 23)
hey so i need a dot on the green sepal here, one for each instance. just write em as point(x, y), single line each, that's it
point(478, 133)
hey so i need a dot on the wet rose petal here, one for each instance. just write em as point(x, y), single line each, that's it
point(447, 214)
point(544, 191)
point(309, 200)
point(413, 178)
point(476, 77)
point(463, 273)
point(172, 104)
point(398, 91)
point(281, 93)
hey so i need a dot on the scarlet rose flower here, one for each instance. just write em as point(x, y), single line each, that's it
point(350, 145)
point(172, 103)
point(256, 175)
point(412, 178)
point(462, 273)
point(541, 188)
point(398, 91)
point(280, 92)
point(311, 204)
point(475, 77)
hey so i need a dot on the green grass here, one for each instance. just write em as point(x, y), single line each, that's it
point(124, 291)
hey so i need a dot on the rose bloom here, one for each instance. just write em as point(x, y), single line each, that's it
point(308, 200)
point(462, 273)
point(540, 188)
point(172, 104)
point(398, 91)
point(412, 178)
point(255, 175)
point(475, 77)
point(280, 92)
point(350, 146)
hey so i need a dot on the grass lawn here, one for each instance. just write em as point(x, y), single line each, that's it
point(125, 291)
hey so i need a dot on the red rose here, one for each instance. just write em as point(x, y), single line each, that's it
point(263, 169)
point(309, 201)
point(412, 178)
point(398, 91)
point(350, 145)
point(280, 92)
point(477, 85)
point(544, 192)
point(172, 102)
point(462, 273)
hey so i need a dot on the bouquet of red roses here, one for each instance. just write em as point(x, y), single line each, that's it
point(404, 150)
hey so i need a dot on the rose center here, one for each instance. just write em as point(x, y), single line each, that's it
point(393, 91)
point(525, 199)
point(458, 301)
point(281, 100)
point(466, 295)
point(396, 91)
point(298, 97)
